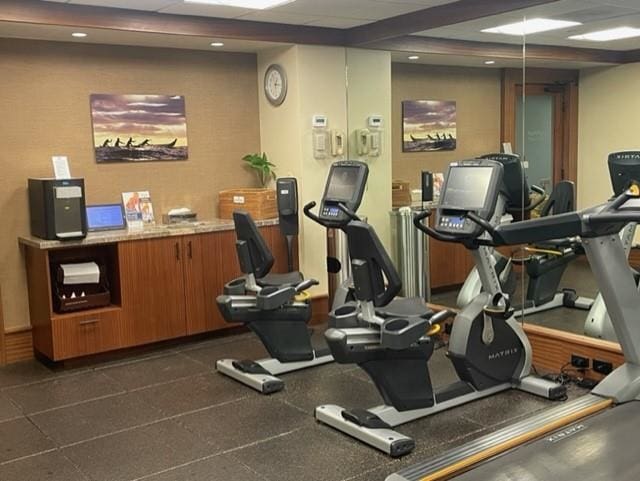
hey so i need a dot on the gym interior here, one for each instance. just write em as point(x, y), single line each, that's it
point(336, 240)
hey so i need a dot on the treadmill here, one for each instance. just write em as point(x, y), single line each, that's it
point(593, 437)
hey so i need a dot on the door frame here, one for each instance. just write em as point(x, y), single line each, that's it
point(559, 94)
point(562, 82)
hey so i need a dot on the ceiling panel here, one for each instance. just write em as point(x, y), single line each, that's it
point(422, 3)
point(360, 9)
point(623, 3)
point(200, 10)
point(278, 17)
point(130, 4)
point(338, 22)
point(594, 14)
point(330, 13)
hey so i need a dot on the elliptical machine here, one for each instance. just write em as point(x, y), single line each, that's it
point(624, 167)
point(487, 346)
point(272, 305)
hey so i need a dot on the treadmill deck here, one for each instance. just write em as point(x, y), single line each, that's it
point(603, 447)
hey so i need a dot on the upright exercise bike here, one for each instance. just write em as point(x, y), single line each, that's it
point(487, 346)
point(272, 305)
point(546, 262)
point(624, 167)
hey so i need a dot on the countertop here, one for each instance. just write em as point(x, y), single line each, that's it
point(151, 232)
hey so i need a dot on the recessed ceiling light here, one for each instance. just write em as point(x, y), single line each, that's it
point(489, 62)
point(256, 4)
point(607, 35)
point(413, 57)
point(533, 25)
point(217, 44)
point(79, 34)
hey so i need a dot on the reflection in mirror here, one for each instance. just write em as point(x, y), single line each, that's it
point(566, 149)
point(444, 107)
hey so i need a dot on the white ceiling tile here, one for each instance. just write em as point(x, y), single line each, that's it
point(338, 22)
point(422, 3)
point(130, 4)
point(278, 17)
point(635, 4)
point(201, 10)
point(360, 9)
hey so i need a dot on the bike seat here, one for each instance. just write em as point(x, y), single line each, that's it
point(281, 280)
point(405, 307)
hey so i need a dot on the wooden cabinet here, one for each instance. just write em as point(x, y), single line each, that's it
point(204, 280)
point(152, 283)
point(87, 333)
point(162, 288)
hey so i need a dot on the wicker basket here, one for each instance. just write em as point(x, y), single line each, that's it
point(260, 203)
point(401, 193)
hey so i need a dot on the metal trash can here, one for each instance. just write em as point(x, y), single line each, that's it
point(409, 249)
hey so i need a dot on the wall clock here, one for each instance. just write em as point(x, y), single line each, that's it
point(275, 84)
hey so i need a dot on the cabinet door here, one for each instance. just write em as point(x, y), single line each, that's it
point(210, 261)
point(152, 285)
point(204, 282)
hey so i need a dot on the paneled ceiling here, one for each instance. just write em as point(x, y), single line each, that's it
point(346, 14)
point(593, 14)
point(319, 13)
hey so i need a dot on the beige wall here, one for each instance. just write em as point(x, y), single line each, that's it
point(45, 111)
point(316, 86)
point(608, 122)
point(477, 92)
point(369, 93)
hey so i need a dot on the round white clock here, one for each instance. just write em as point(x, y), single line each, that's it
point(275, 84)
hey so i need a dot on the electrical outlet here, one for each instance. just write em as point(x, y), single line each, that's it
point(603, 367)
point(579, 362)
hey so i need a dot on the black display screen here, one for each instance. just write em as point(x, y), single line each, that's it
point(467, 187)
point(343, 183)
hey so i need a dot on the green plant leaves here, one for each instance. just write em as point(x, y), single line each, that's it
point(263, 168)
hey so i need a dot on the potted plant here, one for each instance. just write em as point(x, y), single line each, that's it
point(260, 202)
point(262, 167)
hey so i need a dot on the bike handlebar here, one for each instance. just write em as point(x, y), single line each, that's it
point(351, 214)
point(307, 211)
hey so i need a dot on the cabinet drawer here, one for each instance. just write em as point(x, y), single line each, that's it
point(90, 333)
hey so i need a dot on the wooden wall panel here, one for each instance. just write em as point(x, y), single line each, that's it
point(3, 359)
point(19, 346)
point(552, 349)
point(39, 282)
point(46, 87)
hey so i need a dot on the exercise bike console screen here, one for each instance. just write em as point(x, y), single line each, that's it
point(470, 186)
point(467, 187)
point(624, 168)
point(345, 185)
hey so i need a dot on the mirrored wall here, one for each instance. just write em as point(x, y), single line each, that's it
point(561, 113)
